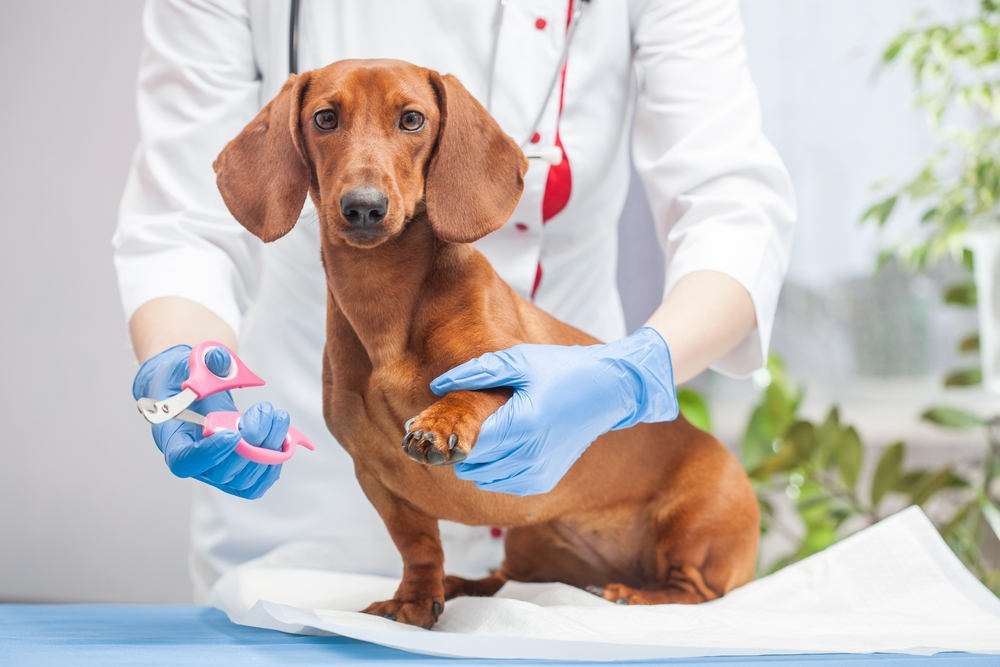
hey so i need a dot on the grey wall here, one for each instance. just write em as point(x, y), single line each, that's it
point(88, 511)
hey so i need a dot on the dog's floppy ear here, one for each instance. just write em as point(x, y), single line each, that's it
point(261, 173)
point(476, 173)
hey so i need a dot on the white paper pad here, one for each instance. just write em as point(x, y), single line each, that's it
point(894, 587)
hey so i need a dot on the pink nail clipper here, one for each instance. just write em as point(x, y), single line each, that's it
point(203, 382)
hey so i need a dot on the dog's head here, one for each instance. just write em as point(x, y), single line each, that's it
point(372, 140)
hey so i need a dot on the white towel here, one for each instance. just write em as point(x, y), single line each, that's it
point(894, 587)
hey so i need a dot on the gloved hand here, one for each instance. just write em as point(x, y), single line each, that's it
point(213, 459)
point(564, 398)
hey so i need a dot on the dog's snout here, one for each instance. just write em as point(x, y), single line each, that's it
point(364, 207)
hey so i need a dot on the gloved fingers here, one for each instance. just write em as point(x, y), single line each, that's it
point(279, 429)
point(493, 369)
point(519, 485)
point(218, 361)
point(161, 375)
point(188, 454)
point(502, 433)
point(247, 476)
point(227, 470)
point(255, 423)
point(263, 483)
point(263, 426)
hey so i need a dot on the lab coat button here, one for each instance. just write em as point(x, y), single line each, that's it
point(521, 227)
point(496, 532)
point(535, 138)
point(540, 24)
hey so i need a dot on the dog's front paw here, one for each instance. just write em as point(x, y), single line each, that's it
point(440, 435)
point(422, 613)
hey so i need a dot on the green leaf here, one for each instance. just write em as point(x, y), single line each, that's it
point(933, 483)
point(960, 294)
point(887, 473)
point(694, 408)
point(783, 461)
point(965, 377)
point(881, 211)
point(849, 458)
point(951, 417)
point(911, 480)
point(802, 435)
point(828, 437)
point(991, 513)
point(817, 539)
point(758, 440)
point(895, 46)
point(967, 259)
point(970, 343)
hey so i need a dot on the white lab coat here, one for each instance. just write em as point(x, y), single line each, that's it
point(721, 199)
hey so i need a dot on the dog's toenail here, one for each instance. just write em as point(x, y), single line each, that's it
point(408, 424)
point(435, 457)
point(452, 441)
point(429, 436)
point(391, 617)
point(436, 608)
point(621, 601)
point(406, 441)
point(596, 590)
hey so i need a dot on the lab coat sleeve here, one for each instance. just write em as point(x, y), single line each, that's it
point(721, 198)
point(198, 87)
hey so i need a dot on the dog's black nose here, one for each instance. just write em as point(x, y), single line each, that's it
point(364, 207)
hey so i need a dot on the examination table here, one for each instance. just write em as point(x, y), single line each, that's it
point(69, 635)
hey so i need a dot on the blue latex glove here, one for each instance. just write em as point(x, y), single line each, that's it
point(564, 398)
point(213, 459)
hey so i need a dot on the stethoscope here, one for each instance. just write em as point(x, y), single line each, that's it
point(553, 154)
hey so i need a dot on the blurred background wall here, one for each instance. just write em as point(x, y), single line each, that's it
point(88, 511)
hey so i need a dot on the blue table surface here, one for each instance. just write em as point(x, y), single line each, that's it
point(186, 635)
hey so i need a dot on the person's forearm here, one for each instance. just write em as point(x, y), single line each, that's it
point(705, 316)
point(169, 321)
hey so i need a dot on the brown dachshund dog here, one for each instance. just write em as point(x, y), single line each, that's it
point(406, 169)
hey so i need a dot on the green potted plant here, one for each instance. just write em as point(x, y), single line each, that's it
point(956, 72)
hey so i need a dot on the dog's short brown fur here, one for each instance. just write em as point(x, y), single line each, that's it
point(653, 514)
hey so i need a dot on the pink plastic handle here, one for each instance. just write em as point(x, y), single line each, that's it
point(204, 382)
point(229, 421)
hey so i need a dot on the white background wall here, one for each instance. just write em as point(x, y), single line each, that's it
point(88, 511)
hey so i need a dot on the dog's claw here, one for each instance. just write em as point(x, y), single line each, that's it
point(429, 436)
point(452, 441)
point(391, 617)
point(413, 451)
point(436, 608)
point(406, 441)
point(596, 590)
point(621, 601)
point(409, 423)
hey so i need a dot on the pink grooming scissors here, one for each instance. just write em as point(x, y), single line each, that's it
point(203, 382)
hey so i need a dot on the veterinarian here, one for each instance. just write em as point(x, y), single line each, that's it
point(721, 199)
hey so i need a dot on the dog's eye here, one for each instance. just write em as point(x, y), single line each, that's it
point(325, 119)
point(411, 121)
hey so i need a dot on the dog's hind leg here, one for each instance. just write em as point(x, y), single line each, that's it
point(477, 588)
point(685, 585)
